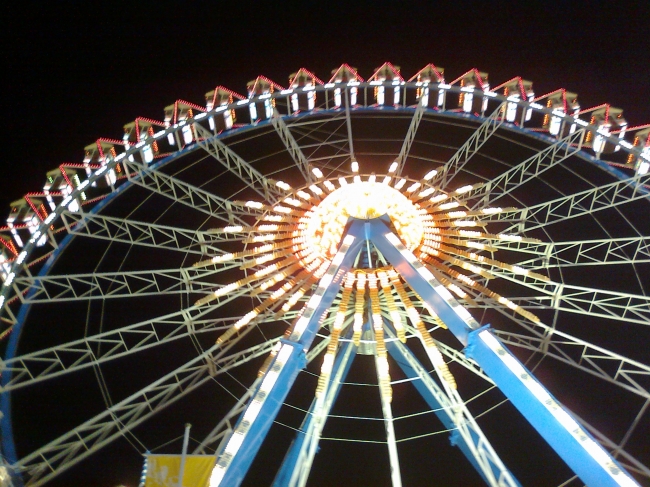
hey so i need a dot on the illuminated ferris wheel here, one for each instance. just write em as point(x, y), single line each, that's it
point(335, 267)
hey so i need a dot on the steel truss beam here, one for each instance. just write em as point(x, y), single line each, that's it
point(597, 361)
point(537, 248)
point(634, 250)
point(254, 179)
point(628, 307)
point(472, 145)
point(292, 146)
point(410, 137)
point(525, 171)
point(104, 285)
point(575, 205)
point(134, 232)
point(186, 194)
point(82, 441)
point(96, 349)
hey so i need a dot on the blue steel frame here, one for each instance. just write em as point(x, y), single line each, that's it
point(570, 441)
point(398, 352)
point(283, 476)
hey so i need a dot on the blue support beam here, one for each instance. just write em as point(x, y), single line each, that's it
point(399, 353)
point(253, 432)
point(342, 363)
point(251, 428)
point(573, 444)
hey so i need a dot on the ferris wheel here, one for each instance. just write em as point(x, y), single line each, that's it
point(350, 270)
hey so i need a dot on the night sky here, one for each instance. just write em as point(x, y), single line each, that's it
point(73, 72)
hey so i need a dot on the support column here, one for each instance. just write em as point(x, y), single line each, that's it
point(299, 459)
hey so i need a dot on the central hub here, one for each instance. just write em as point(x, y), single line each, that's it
point(325, 223)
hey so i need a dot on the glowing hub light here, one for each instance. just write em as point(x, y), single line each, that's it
point(464, 189)
point(362, 200)
point(283, 185)
point(449, 206)
point(428, 176)
point(438, 198)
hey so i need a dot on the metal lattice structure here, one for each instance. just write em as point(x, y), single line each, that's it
point(300, 231)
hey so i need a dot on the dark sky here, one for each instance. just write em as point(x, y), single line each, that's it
point(76, 71)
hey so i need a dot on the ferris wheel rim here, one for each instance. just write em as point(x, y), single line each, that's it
point(123, 187)
point(30, 246)
point(161, 163)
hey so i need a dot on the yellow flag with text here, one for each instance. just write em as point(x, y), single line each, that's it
point(163, 470)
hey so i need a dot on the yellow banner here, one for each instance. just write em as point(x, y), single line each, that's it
point(163, 470)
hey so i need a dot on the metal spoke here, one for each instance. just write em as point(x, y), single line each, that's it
point(574, 205)
point(634, 250)
point(104, 285)
point(186, 194)
point(348, 124)
point(134, 232)
point(255, 180)
point(525, 171)
point(410, 137)
point(69, 357)
point(632, 308)
point(471, 146)
point(292, 146)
